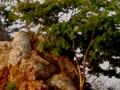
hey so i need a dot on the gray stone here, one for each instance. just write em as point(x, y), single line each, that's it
point(21, 48)
point(61, 82)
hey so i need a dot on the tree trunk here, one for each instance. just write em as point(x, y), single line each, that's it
point(3, 34)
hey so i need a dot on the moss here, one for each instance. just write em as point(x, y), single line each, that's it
point(11, 86)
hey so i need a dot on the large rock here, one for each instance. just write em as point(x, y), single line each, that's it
point(61, 82)
point(29, 69)
point(21, 48)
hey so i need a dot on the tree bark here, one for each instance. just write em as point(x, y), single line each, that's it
point(3, 33)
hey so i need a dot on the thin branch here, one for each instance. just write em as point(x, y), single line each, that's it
point(96, 86)
point(84, 57)
point(99, 76)
point(93, 72)
point(16, 29)
point(78, 67)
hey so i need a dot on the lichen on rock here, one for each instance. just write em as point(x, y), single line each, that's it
point(61, 82)
point(21, 48)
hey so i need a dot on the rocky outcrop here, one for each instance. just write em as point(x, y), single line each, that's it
point(30, 69)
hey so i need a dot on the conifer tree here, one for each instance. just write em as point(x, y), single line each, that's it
point(93, 28)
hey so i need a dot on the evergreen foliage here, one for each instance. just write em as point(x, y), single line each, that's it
point(7, 17)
